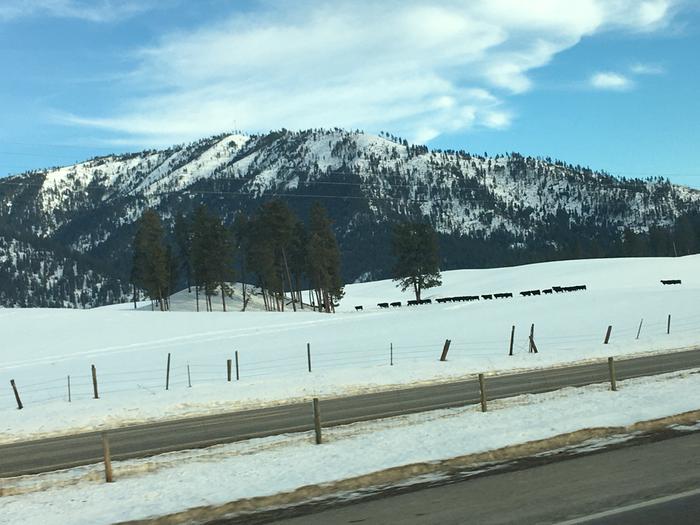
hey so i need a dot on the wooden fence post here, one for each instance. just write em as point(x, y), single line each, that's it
point(611, 369)
point(308, 355)
point(189, 377)
point(107, 458)
point(532, 337)
point(512, 337)
point(237, 374)
point(317, 421)
point(14, 389)
point(167, 373)
point(482, 392)
point(94, 383)
point(639, 330)
point(445, 349)
point(668, 325)
point(533, 346)
point(228, 370)
point(391, 354)
point(69, 400)
point(607, 335)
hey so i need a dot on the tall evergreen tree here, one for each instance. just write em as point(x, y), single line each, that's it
point(212, 256)
point(415, 247)
point(323, 259)
point(150, 268)
point(182, 231)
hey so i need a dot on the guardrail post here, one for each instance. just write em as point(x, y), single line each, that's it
point(611, 370)
point(94, 383)
point(317, 421)
point(308, 355)
point(107, 458)
point(14, 389)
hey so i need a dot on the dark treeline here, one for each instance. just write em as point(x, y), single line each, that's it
point(271, 248)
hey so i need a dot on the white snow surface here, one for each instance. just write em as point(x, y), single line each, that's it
point(350, 350)
point(178, 481)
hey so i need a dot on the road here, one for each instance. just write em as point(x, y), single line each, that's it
point(652, 483)
point(154, 438)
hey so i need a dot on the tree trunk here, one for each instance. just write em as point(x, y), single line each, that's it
point(134, 297)
point(223, 296)
point(289, 280)
point(196, 292)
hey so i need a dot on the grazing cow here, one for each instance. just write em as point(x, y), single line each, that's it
point(670, 281)
point(425, 301)
point(473, 298)
point(358, 308)
point(526, 293)
point(535, 292)
point(411, 302)
point(383, 305)
point(487, 296)
point(557, 289)
point(441, 300)
point(548, 291)
point(396, 304)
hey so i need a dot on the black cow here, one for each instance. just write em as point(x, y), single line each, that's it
point(411, 302)
point(396, 304)
point(383, 305)
point(487, 296)
point(358, 308)
point(526, 293)
point(670, 281)
point(547, 291)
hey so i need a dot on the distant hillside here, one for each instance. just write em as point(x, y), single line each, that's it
point(490, 211)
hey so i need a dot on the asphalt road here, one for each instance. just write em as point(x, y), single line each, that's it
point(154, 438)
point(649, 484)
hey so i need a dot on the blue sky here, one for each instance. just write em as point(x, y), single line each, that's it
point(609, 84)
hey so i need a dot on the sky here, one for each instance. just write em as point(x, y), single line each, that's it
point(610, 84)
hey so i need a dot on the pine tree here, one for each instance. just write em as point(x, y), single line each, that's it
point(415, 247)
point(211, 256)
point(182, 231)
point(150, 268)
point(323, 260)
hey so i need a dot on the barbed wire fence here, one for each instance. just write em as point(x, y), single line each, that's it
point(478, 354)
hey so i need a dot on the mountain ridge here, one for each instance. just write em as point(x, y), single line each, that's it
point(497, 207)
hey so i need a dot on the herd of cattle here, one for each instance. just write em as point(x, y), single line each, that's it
point(506, 295)
point(486, 297)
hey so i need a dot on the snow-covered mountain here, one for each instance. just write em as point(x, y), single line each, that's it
point(489, 210)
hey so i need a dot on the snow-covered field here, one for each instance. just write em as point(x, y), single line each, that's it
point(262, 467)
point(350, 350)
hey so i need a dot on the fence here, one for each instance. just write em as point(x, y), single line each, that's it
point(312, 358)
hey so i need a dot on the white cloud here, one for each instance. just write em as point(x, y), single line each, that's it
point(647, 69)
point(418, 69)
point(610, 81)
point(89, 10)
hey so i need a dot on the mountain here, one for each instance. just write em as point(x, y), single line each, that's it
point(489, 211)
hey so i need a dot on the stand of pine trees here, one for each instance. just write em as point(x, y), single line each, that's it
point(273, 245)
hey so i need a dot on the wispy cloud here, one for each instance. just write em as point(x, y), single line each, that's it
point(609, 80)
point(89, 10)
point(410, 66)
point(647, 69)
